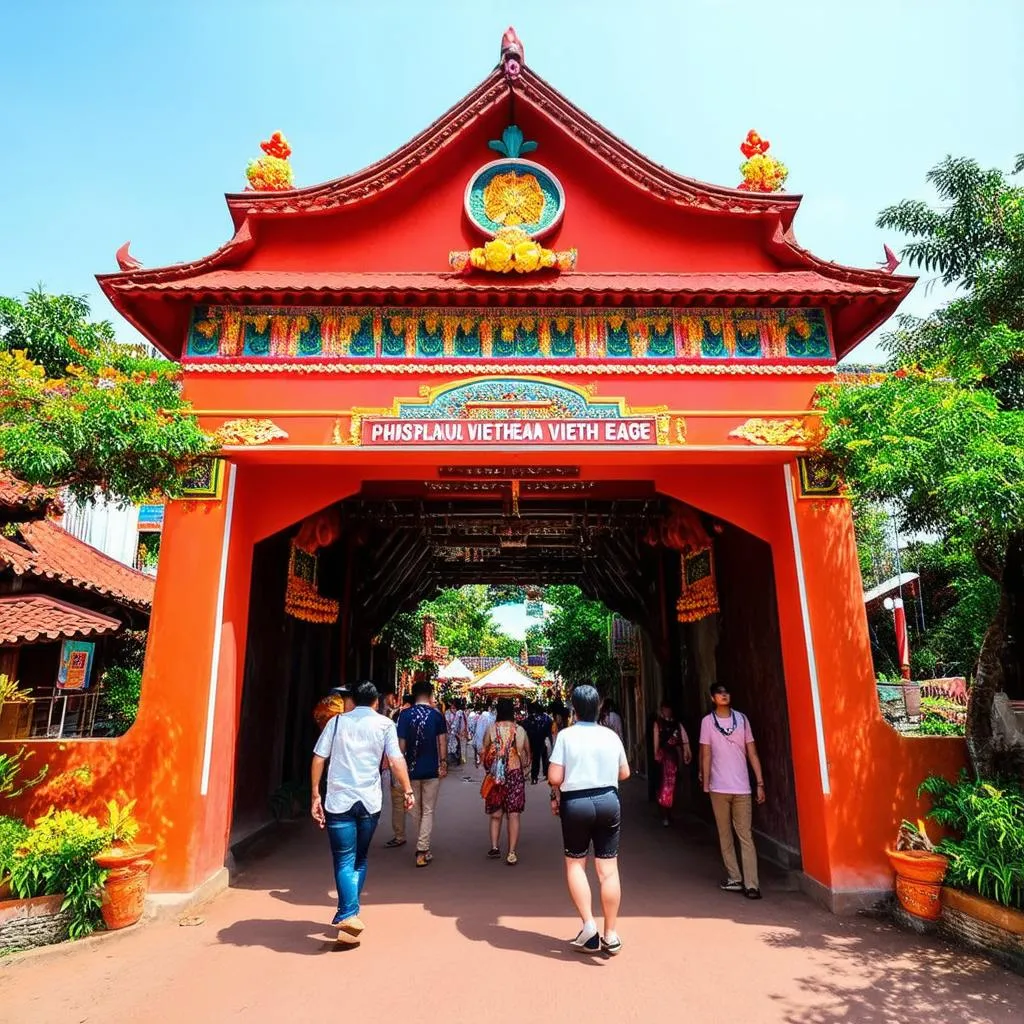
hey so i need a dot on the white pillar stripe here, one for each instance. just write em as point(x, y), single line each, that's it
point(805, 614)
point(218, 625)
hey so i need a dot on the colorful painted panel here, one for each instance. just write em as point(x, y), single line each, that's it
point(325, 332)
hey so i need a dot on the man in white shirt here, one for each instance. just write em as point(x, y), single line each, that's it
point(355, 743)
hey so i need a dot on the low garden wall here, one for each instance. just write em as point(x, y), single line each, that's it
point(35, 922)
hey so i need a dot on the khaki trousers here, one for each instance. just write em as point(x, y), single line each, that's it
point(732, 813)
point(398, 812)
point(425, 791)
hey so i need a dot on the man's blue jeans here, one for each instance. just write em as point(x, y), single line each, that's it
point(350, 834)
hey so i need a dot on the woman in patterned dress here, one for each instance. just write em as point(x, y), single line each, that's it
point(506, 752)
point(671, 748)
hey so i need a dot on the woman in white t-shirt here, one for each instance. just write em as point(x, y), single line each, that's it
point(587, 764)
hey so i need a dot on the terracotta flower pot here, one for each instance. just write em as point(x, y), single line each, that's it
point(124, 892)
point(919, 876)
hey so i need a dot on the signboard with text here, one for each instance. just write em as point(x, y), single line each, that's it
point(526, 433)
point(75, 665)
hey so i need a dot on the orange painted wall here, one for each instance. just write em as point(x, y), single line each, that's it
point(158, 761)
point(874, 771)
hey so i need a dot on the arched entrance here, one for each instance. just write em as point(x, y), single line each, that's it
point(396, 541)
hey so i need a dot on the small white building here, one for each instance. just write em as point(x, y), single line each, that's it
point(128, 533)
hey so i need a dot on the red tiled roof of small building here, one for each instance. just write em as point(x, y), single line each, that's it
point(20, 501)
point(34, 618)
point(51, 552)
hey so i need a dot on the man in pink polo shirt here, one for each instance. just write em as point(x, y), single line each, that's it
point(726, 745)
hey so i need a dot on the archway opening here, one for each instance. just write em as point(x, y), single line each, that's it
point(396, 543)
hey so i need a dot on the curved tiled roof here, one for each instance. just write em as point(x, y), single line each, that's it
point(35, 618)
point(49, 551)
point(241, 283)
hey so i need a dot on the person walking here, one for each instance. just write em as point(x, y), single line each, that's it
point(483, 723)
point(671, 748)
point(611, 719)
point(587, 765)
point(506, 750)
point(726, 746)
point(355, 743)
point(422, 734)
point(455, 718)
point(538, 730)
point(472, 715)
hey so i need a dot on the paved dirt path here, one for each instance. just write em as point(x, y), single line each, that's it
point(471, 940)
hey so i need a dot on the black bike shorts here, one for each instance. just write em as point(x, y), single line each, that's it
point(591, 816)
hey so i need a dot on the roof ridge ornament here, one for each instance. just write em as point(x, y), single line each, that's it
point(271, 172)
point(761, 172)
point(512, 54)
point(512, 143)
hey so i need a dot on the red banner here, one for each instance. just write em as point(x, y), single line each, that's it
point(392, 432)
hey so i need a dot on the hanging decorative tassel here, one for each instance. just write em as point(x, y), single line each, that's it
point(302, 600)
point(698, 594)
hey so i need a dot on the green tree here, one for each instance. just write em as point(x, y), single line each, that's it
point(942, 436)
point(463, 617)
point(463, 624)
point(960, 602)
point(501, 645)
point(576, 636)
point(79, 410)
point(536, 640)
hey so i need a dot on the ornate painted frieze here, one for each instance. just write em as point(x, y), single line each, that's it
point(436, 334)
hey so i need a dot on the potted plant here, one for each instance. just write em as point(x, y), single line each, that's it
point(919, 872)
point(985, 881)
point(55, 859)
point(127, 866)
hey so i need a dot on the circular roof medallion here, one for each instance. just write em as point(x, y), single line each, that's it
point(514, 193)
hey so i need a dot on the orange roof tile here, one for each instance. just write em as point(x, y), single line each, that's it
point(21, 500)
point(35, 618)
point(51, 552)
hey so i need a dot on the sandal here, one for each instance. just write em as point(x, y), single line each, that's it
point(423, 858)
point(512, 860)
point(493, 853)
point(394, 843)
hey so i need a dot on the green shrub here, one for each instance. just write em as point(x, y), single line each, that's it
point(935, 725)
point(122, 688)
point(57, 857)
point(12, 834)
point(11, 766)
point(987, 857)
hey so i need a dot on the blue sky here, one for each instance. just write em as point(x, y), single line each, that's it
point(130, 120)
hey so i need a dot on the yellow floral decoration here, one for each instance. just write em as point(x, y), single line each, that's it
point(512, 199)
point(512, 249)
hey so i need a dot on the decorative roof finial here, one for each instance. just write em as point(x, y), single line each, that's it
point(761, 172)
point(512, 54)
point(271, 173)
point(125, 260)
